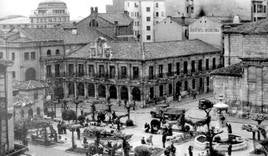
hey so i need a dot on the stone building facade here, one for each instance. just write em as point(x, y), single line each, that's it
point(49, 14)
point(244, 81)
point(133, 71)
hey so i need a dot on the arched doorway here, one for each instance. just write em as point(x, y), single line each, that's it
point(71, 88)
point(102, 91)
point(58, 92)
point(81, 90)
point(30, 74)
point(124, 93)
point(113, 92)
point(91, 90)
point(30, 113)
point(136, 94)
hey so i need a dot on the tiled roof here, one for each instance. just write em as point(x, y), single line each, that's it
point(121, 18)
point(157, 50)
point(28, 85)
point(58, 34)
point(22, 100)
point(259, 27)
point(235, 70)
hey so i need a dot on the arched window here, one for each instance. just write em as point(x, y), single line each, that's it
point(30, 74)
point(136, 94)
point(57, 52)
point(113, 92)
point(48, 52)
point(124, 93)
point(93, 23)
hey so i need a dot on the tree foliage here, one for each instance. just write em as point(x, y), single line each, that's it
point(68, 115)
point(142, 151)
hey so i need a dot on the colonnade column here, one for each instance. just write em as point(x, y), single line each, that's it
point(85, 90)
point(65, 89)
point(107, 94)
point(129, 93)
point(75, 89)
point(96, 91)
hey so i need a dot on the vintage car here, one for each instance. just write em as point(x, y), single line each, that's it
point(171, 113)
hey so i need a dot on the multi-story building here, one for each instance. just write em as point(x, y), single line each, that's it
point(244, 82)
point(6, 109)
point(49, 14)
point(133, 71)
point(145, 13)
point(247, 10)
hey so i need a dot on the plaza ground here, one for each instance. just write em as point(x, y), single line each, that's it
point(140, 116)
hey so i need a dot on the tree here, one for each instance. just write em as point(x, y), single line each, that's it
point(207, 106)
point(68, 115)
point(111, 148)
point(125, 145)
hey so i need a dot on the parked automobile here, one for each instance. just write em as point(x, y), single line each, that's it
point(170, 113)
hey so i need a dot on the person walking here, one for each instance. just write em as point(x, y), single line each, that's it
point(190, 150)
point(164, 139)
point(78, 133)
point(230, 150)
point(143, 141)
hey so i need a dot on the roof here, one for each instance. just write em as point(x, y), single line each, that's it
point(180, 21)
point(235, 70)
point(16, 20)
point(259, 27)
point(156, 50)
point(122, 18)
point(57, 34)
point(28, 85)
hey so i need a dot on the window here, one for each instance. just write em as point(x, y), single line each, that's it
point(33, 57)
point(178, 68)
point(57, 70)
point(123, 72)
point(148, 9)
point(48, 52)
point(57, 52)
point(101, 70)
point(170, 69)
point(157, 14)
point(13, 56)
point(207, 81)
point(160, 70)
point(214, 63)
point(151, 72)
point(207, 64)
point(48, 70)
point(112, 72)
point(132, 14)
point(135, 72)
point(161, 88)
point(186, 85)
point(13, 74)
point(1, 55)
point(148, 37)
point(71, 69)
point(254, 8)
point(185, 66)
point(90, 70)
point(26, 56)
point(156, 5)
point(193, 66)
point(169, 89)
point(148, 28)
point(200, 65)
point(148, 19)
point(80, 70)
point(35, 95)
point(193, 84)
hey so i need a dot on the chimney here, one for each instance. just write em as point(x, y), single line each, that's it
point(96, 9)
point(91, 10)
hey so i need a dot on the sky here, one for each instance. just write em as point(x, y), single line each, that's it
point(77, 8)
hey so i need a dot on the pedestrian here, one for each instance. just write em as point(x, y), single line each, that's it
point(78, 133)
point(167, 152)
point(147, 127)
point(194, 94)
point(134, 105)
point(164, 139)
point(170, 130)
point(125, 102)
point(190, 150)
point(85, 141)
point(59, 128)
point(81, 110)
point(172, 149)
point(150, 140)
point(143, 141)
point(230, 150)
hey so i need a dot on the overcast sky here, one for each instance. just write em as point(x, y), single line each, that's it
point(77, 8)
